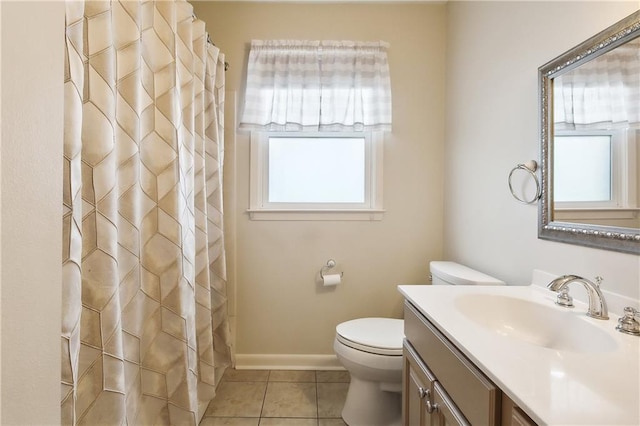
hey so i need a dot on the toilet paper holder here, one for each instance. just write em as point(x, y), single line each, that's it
point(330, 264)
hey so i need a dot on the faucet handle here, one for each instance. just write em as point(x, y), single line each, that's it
point(564, 298)
point(628, 323)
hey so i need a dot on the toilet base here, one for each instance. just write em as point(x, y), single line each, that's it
point(368, 405)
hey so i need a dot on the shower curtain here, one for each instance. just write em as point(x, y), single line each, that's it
point(145, 334)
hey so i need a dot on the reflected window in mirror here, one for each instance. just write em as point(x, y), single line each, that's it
point(595, 169)
point(596, 177)
point(583, 176)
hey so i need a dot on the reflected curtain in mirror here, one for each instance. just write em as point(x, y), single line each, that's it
point(145, 335)
point(603, 93)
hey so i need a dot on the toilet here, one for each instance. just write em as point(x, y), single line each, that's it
point(371, 350)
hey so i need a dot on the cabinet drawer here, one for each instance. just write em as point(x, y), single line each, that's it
point(474, 394)
point(445, 410)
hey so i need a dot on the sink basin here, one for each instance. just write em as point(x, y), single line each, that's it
point(535, 323)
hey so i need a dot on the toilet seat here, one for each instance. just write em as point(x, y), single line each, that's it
point(381, 336)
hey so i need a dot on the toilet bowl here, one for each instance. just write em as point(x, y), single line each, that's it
point(371, 350)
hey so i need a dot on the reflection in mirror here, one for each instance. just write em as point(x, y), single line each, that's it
point(590, 100)
point(596, 118)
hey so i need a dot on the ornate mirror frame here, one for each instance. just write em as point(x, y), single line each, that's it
point(626, 240)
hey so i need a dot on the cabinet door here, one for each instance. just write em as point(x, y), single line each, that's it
point(519, 418)
point(512, 415)
point(417, 390)
point(445, 412)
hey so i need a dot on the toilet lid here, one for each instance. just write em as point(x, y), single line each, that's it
point(376, 335)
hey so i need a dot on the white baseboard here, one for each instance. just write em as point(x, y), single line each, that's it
point(287, 362)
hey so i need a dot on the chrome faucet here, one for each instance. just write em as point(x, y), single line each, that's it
point(597, 304)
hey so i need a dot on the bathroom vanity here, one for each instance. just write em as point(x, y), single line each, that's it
point(442, 387)
point(510, 356)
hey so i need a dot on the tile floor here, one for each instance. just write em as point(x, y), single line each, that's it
point(278, 398)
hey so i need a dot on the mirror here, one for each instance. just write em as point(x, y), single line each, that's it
point(590, 141)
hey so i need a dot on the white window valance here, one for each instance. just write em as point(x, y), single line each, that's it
point(601, 94)
point(317, 86)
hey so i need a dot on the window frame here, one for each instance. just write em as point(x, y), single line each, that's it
point(261, 209)
point(623, 176)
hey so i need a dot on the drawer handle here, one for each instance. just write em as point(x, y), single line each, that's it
point(431, 406)
point(424, 393)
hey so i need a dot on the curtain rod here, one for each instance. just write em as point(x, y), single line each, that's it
point(226, 64)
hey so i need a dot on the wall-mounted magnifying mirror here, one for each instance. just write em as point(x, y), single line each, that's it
point(590, 141)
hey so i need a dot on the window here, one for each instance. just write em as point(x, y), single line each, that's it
point(594, 169)
point(316, 110)
point(582, 166)
point(316, 176)
point(312, 170)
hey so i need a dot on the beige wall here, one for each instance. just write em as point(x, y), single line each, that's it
point(489, 74)
point(279, 307)
point(494, 50)
point(32, 125)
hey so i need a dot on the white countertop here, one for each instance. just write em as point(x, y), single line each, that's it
point(554, 387)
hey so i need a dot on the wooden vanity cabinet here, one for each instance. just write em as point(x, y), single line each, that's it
point(440, 385)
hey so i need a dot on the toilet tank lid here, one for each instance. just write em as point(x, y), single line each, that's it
point(458, 274)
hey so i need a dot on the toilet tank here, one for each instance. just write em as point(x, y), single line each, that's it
point(452, 273)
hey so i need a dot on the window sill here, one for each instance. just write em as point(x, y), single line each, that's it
point(321, 214)
point(596, 213)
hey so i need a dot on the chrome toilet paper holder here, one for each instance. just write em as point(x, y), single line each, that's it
point(330, 264)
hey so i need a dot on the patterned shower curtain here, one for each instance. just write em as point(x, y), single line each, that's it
point(145, 335)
